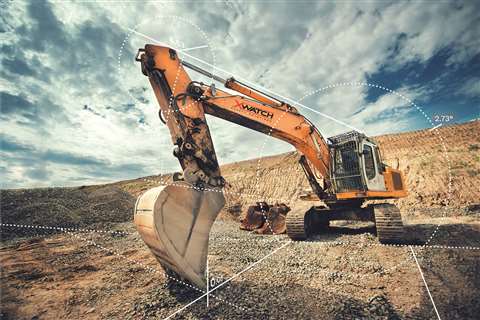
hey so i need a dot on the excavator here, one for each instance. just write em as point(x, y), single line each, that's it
point(343, 171)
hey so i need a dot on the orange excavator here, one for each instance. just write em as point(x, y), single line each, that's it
point(343, 171)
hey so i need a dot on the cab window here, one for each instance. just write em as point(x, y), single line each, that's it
point(369, 162)
point(380, 166)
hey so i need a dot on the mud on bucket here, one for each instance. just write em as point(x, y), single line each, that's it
point(175, 221)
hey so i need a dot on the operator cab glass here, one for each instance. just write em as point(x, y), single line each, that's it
point(372, 167)
point(346, 167)
point(369, 162)
point(356, 164)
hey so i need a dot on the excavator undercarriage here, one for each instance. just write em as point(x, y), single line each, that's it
point(388, 222)
point(175, 220)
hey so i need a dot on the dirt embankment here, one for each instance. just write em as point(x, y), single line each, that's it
point(442, 166)
point(442, 169)
point(64, 207)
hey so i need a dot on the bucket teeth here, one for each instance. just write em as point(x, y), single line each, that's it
point(175, 221)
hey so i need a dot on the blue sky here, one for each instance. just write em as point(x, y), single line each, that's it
point(75, 108)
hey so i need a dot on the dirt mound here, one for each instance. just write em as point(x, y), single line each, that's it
point(441, 166)
point(64, 207)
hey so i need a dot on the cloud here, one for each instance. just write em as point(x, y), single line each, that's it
point(35, 114)
point(45, 30)
point(471, 88)
point(18, 66)
point(76, 108)
point(12, 104)
point(71, 159)
point(37, 163)
point(10, 145)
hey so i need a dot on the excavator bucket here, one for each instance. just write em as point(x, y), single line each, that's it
point(175, 221)
point(263, 218)
point(275, 220)
point(254, 217)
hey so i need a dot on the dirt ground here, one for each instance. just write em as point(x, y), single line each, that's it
point(73, 253)
point(341, 274)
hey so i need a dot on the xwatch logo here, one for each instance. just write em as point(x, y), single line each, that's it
point(251, 109)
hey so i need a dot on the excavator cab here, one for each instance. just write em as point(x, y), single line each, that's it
point(356, 163)
point(357, 169)
point(373, 168)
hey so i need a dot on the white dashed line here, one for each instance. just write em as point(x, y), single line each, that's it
point(425, 283)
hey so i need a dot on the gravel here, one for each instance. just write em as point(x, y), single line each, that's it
point(95, 207)
point(340, 274)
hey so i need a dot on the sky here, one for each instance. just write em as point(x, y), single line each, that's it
point(76, 109)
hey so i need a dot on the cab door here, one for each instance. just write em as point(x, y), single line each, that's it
point(371, 168)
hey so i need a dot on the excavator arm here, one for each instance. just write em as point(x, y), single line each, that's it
point(175, 220)
point(283, 123)
point(184, 103)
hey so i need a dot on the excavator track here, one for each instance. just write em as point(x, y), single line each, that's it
point(388, 222)
point(297, 225)
point(300, 224)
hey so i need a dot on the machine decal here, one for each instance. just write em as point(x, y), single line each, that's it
point(265, 114)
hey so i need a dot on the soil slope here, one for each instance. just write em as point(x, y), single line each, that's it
point(441, 166)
